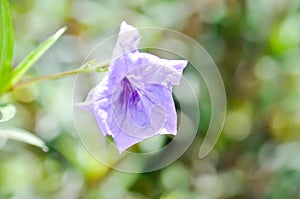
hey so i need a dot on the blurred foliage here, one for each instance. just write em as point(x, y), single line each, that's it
point(255, 44)
point(10, 75)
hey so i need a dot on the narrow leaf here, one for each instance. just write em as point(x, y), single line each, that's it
point(23, 136)
point(25, 65)
point(6, 39)
point(7, 112)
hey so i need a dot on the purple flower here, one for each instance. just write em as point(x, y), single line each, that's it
point(134, 100)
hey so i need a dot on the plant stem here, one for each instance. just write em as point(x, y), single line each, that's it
point(38, 79)
point(85, 69)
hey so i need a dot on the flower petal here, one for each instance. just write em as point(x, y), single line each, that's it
point(162, 96)
point(102, 105)
point(128, 42)
point(151, 69)
point(123, 141)
point(88, 104)
point(120, 66)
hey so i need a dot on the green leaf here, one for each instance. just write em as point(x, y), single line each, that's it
point(25, 65)
point(23, 136)
point(7, 112)
point(6, 39)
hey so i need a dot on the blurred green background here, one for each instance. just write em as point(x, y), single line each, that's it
point(256, 46)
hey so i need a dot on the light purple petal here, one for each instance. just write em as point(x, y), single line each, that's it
point(162, 96)
point(120, 66)
point(134, 101)
point(128, 42)
point(147, 68)
point(123, 141)
point(88, 104)
point(102, 105)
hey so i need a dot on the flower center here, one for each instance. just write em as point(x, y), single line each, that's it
point(127, 90)
point(131, 101)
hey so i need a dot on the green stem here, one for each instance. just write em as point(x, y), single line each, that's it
point(85, 69)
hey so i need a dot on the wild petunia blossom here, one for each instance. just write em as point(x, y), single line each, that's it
point(134, 100)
